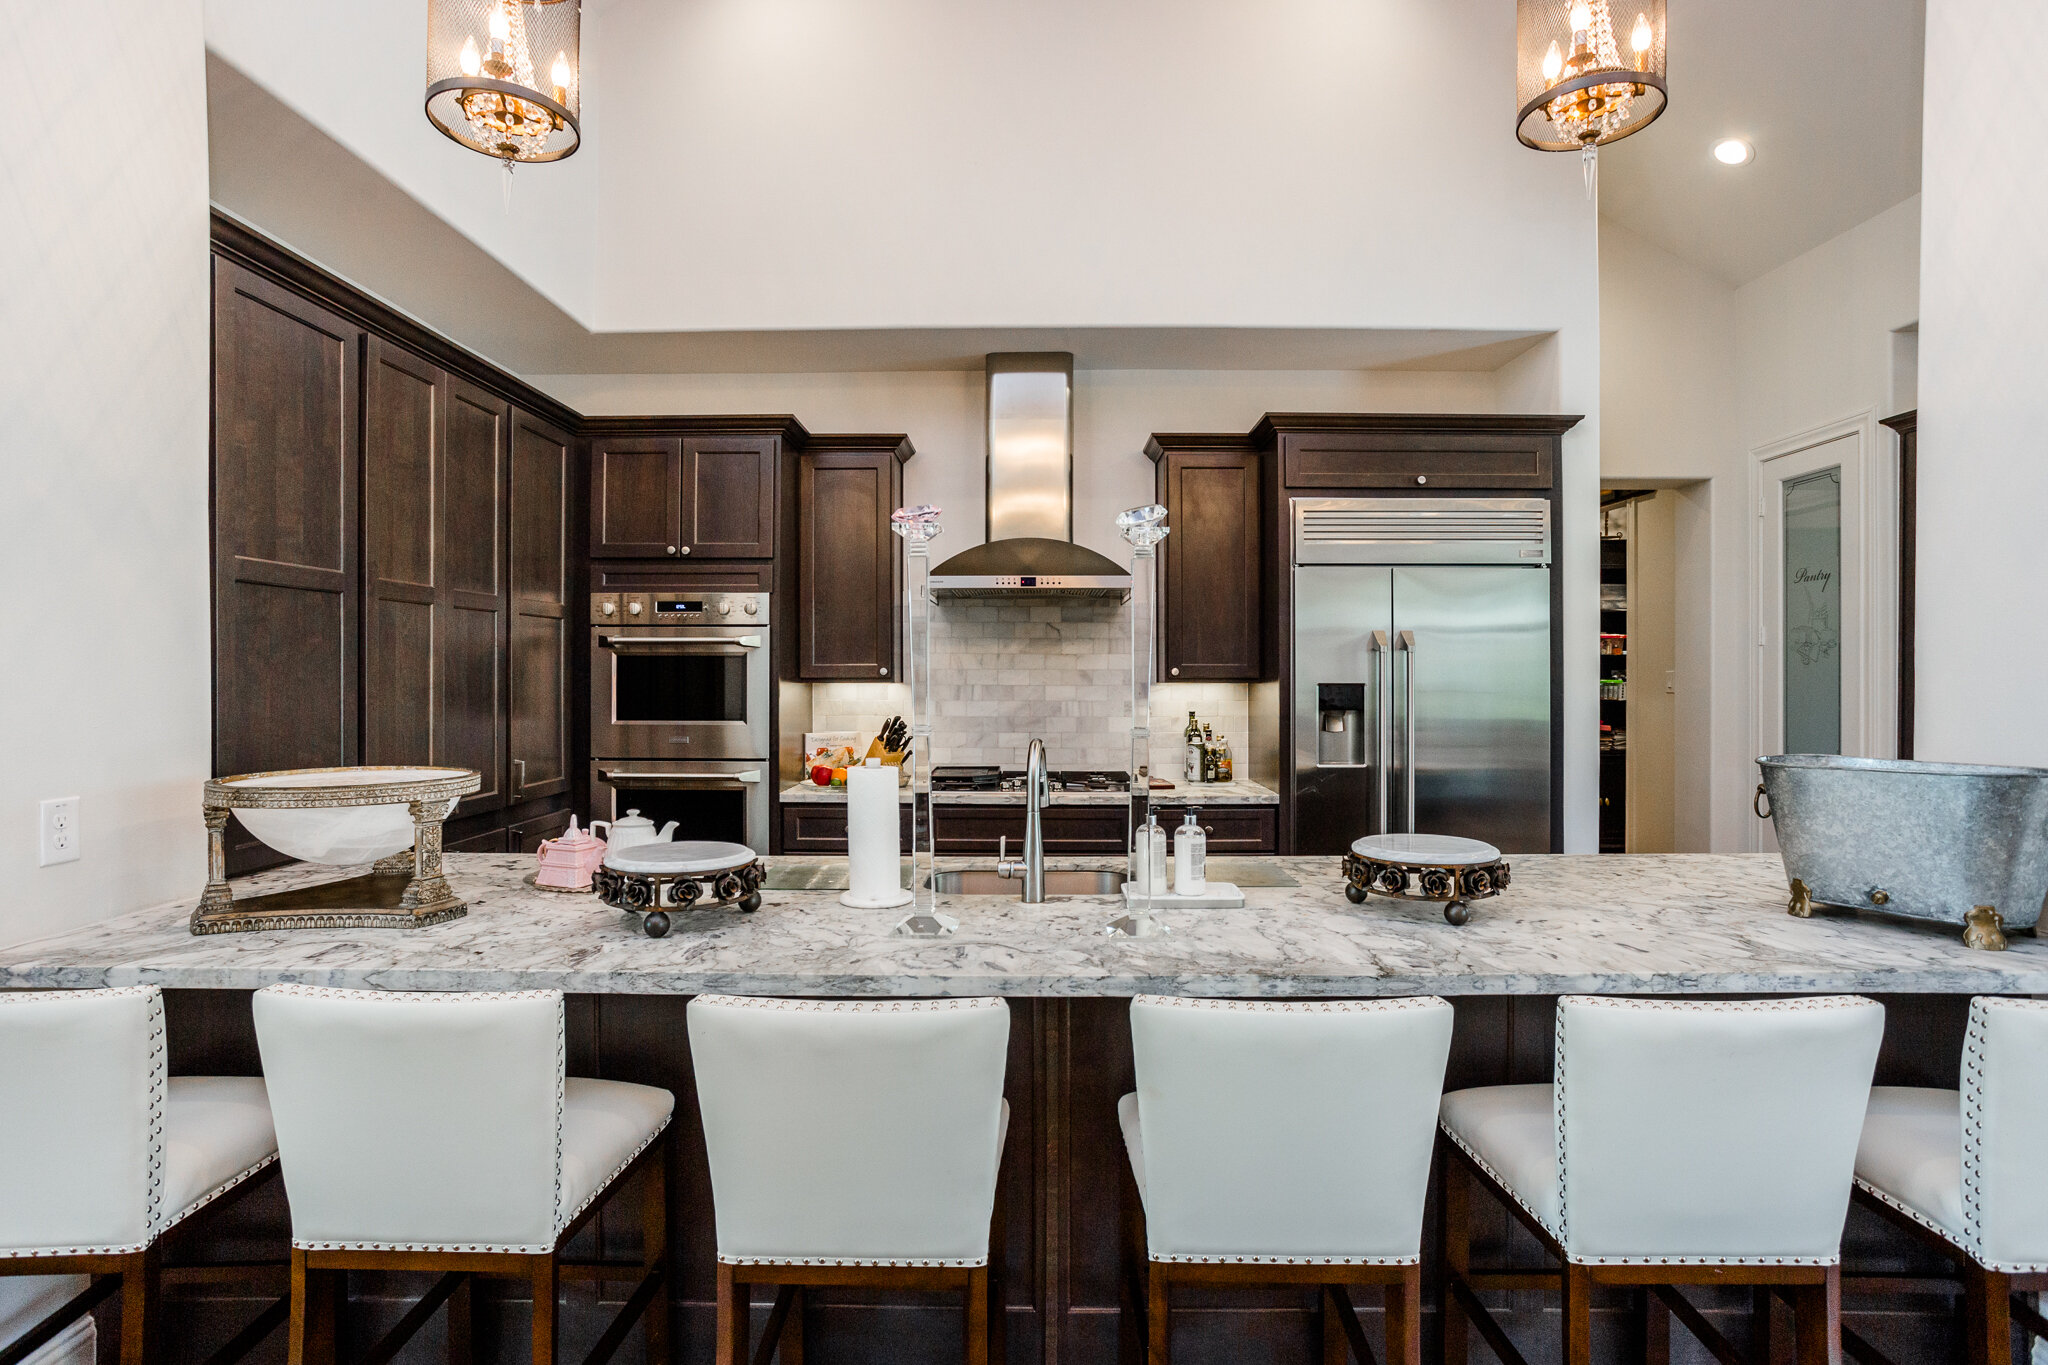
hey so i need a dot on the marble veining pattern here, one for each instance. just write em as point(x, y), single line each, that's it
point(1636, 924)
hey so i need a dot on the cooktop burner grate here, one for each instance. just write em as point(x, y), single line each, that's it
point(961, 778)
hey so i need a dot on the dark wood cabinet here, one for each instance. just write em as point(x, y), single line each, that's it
point(526, 835)
point(395, 568)
point(684, 493)
point(1907, 425)
point(820, 827)
point(1339, 451)
point(1210, 623)
point(636, 497)
point(728, 497)
point(286, 462)
point(1068, 829)
point(434, 485)
point(1229, 829)
point(542, 581)
point(850, 564)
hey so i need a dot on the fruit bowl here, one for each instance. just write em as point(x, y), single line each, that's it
point(339, 816)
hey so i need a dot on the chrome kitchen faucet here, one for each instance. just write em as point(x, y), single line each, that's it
point(1037, 794)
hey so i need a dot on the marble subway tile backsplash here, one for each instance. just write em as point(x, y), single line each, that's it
point(1005, 672)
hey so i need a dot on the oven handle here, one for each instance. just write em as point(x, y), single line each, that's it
point(677, 644)
point(751, 777)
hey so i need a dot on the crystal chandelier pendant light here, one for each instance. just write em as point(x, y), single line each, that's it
point(503, 76)
point(1588, 72)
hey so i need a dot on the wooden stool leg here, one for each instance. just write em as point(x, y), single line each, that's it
point(1578, 1315)
point(315, 1295)
point(462, 1322)
point(1456, 1241)
point(1817, 1320)
point(998, 1296)
point(1404, 1318)
point(546, 1327)
point(139, 1326)
point(733, 1306)
point(654, 1252)
point(977, 1316)
point(1157, 1329)
point(1987, 1316)
point(1336, 1349)
point(1760, 1344)
point(1653, 1326)
point(789, 1348)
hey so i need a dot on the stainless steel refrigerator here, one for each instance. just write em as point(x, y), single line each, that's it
point(1422, 670)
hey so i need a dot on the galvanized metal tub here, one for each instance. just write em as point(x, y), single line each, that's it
point(1930, 841)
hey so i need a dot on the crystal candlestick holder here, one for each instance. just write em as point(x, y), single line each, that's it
point(1144, 528)
point(919, 526)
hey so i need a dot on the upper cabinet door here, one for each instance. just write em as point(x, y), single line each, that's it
point(473, 605)
point(404, 403)
point(540, 609)
point(1209, 603)
point(849, 568)
point(728, 497)
point(434, 541)
point(636, 497)
point(286, 386)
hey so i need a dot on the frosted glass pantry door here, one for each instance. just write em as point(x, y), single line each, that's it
point(1811, 607)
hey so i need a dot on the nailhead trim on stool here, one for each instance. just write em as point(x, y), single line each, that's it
point(779, 1004)
point(1562, 1231)
point(561, 1067)
point(1976, 1057)
point(153, 1220)
point(1196, 1002)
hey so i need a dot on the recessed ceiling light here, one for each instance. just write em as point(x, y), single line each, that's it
point(1733, 151)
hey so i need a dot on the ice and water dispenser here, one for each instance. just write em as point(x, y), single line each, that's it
point(1340, 732)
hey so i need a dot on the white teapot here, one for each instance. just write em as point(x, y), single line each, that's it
point(634, 828)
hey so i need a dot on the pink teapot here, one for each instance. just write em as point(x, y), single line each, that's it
point(566, 863)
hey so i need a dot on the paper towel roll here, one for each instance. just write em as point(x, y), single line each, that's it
point(873, 839)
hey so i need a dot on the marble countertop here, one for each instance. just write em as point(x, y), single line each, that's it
point(1182, 794)
point(1620, 924)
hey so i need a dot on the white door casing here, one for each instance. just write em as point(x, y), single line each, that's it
point(1833, 621)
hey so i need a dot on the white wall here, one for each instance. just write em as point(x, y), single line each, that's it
point(103, 399)
point(1695, 376)
point(103, 337)
point(357, 71)
point(1983, 386)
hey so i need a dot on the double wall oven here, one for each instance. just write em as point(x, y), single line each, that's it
point(679, 704)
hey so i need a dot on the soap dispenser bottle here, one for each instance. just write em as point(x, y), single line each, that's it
point(1190, 858)
point(1148, 857)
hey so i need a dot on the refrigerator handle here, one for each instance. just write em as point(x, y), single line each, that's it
point(1407, 648)
point(1382, 682)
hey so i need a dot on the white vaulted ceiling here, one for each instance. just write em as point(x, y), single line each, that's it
point(1828, 92)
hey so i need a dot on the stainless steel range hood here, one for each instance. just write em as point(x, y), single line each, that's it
point(1030, 551)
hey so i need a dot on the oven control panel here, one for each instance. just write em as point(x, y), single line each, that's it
point(679, 608)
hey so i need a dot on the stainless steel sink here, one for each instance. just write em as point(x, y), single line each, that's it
point(1057, 883)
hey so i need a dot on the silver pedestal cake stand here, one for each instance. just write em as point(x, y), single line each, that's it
point(654, 880)
point(1450, 871)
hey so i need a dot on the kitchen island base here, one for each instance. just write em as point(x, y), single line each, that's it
point(1060, 1191)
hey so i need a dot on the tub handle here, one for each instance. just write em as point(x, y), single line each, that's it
point(1758, 803)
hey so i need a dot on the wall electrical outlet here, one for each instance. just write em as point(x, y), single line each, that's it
point(59, 842)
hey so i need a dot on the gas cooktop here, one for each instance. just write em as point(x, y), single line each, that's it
point(973, 779)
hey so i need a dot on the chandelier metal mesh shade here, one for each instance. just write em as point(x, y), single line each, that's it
point(503, 76)
point(1588, 72)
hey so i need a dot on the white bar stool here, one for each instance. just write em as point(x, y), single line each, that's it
point(1682, 1142)
point(103, 1155)
point(1961, 1169)
point(1285, 1144)
point(852, 1143)
point(437, 1131)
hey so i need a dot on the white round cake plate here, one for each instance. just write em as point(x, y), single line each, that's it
point(683, 858)
point(1430, 850)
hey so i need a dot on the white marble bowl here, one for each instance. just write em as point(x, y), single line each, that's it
point(334, 834)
